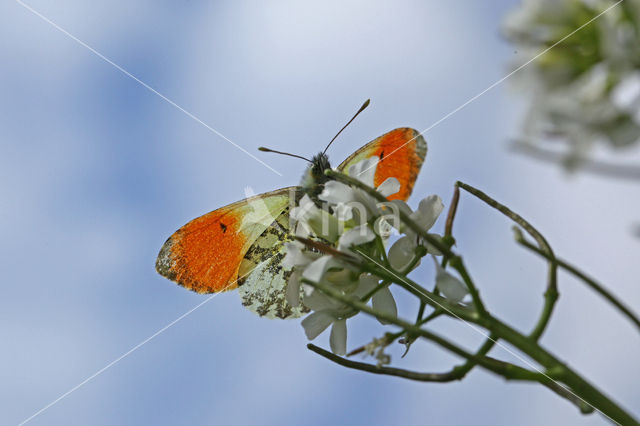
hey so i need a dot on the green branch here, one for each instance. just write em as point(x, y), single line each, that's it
point(454, 259)
point(557, 376)
point(598, 288)
point(551, 294)
point(501, 368)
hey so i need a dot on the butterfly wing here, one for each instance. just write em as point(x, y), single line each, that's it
point(262, 278)
point(401, 152)
point(205, 254)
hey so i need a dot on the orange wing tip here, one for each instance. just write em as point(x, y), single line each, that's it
point(168, 267)
point(421, 144)
point(164, 263)
point(402, 152)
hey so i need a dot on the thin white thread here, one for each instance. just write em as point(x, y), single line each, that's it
point(142, 83)
point(501, 80)
point(246, 152)
point(136, 347)
point(115, 361)
point(487, 336)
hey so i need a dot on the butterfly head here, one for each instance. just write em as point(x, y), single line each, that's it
point(314, 177)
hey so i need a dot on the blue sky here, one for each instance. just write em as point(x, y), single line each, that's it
point(96, 172)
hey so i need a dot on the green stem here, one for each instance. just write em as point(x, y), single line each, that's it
point(506, 370)
point(424, 295)
point(453, 208)
point(551, 294)
point(456, 261)
point(420, 312)
point(558, 371)
point(457, 264)
point(462, 370)
point(389, 371)
point(433, 315)
point(555, 368)
point(598, 288)
point(381, 249)
point(457, 373)
point(348, 180)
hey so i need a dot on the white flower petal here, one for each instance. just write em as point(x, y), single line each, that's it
point(320, 221)
point(316, 323)
point(338, 339)
point(303, 209)
point(295, 255)
point(355, 236)
point(428, 211)
point(302, 230)
point(625, 95)
point(292, 293)
point(367, 283)
point(343, 212)
point(392, 210)
point(318, 301)
point(451, 287)
point(403, 206)
point(336, 192)
point(389, 187)
point(324, 225)
point(316, 269)
point(365, 170)
point(307, 289)
point(402, 253)
point(341, 278)
point(362, 199)
point(430, 248)
point(384, 302)
point(382, 227)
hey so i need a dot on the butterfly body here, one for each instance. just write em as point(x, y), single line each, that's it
point(314, 176)
point(242, 245)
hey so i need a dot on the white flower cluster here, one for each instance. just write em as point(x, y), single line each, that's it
point(351, 221)
point(586, 89)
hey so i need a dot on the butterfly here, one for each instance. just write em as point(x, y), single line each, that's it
point(241, 245)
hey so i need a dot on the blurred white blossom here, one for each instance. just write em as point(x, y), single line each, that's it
point(586, 89)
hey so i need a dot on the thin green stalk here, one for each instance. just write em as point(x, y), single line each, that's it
point(379, 287)
point(433, 315)
point(389, 371)
point(462, 370)
point(348, 180)
point(590, 282)
point(409, 338)
point(555, 369)
point(558, 371)
point(420, 312)
point(457, 264)
point(453, 208)
point(457, 373)
point(506, 370)
point(424, 295)
point(381, 249)
point(455, 260)
point(551, 294)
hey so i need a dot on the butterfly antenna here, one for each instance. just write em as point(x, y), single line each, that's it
point(362, 108)
point(263, 149)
